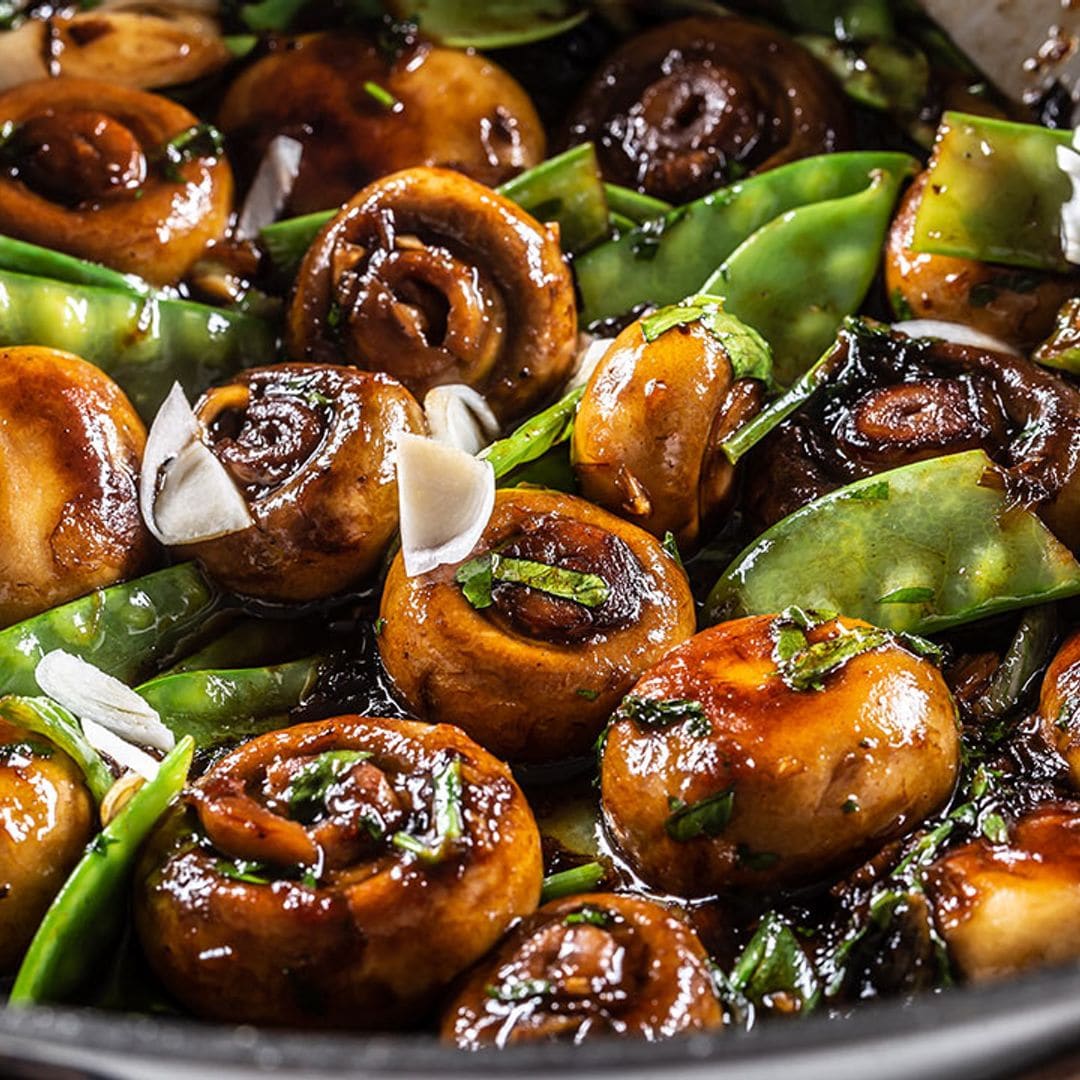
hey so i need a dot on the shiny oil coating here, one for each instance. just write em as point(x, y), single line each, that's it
point(383, 932)
point(313, 90)
point(1059, 705)
point(1017, 307)
point(312, 449)
point(46, 819)
point(816, 778)
point(437, 279)
point(526, 680)
point(87, 176)
point(647, 434)
point(686, 107)
point(628, 967)
point(70, 449)
point(1006, 908)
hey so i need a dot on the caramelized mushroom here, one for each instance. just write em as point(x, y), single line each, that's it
point(338, 873)
point(691, 105)
point(46, 819)
point(1015, 306)
point(311, 448)
point(1004, 908)
point(891, 400)
point(436, 279)
point(1059, 705)
point(594, 964)
point(70, 448)
point(648, 432)
point(723, 769)
point(111, 174)
point(361, 113)
point(530, 672)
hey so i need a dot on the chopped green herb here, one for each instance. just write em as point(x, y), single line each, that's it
point(309, 880)
point(756, 860)
point(807, 668)
point(851, 805)
point(381, 95)
point(911, 595)
point(920, 646)
point(706, 817)
point(380, 625)
point(901, 306)
point(773, 962)
point(588, 914)
point(517, 990)
point(588, 695)
point(1069, 714)
point(671, 546)
point(994, 828)
point(26, 748)
point(876, 492)
point(663, 713)
point(197, 141)
point(448, 822)
point(306, 794)
point(578, 879)
point(477, 578)
point(245, 870)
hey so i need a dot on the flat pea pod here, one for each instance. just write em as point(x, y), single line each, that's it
point(847, 20)
point(481, 24)
point(668, 258)
point(920, 549)
point(26, 258)
point(127, 630)
point(247, 643)
point(994, 193)
point(796, 279)
point(144, 343)
point(86, 918)
point(218, 707)
point(633, 205)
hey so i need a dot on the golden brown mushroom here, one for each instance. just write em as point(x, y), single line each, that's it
point(1059, 705)
point(46, 819)
point(593, 964)
point(111, 174)
point(361, 113)
point(691, 105)
point(532, 675)
point(311, 448)
point(339, 873)
point(722, 769)
point(436, 279)
point(70, 449)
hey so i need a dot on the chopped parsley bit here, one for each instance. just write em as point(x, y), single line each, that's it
point(380, 625)
point(306, 793)
point(309, 880)
point(518, 990)
point(588, 914)
point(851, 805)
point(1069, 714)
point(478, 576)
point(706, 817)
point(381, 95)
point(670, 545)
point(197, 141)
point(448, 820)
point(756, 860)
point(652, 713)
point(588, 695)
point(246, 870)
point(26, 748)
point(994, 828)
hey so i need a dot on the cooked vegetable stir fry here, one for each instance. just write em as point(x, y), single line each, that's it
point(532, 521)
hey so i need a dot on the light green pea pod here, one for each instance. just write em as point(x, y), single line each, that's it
point(994, 193)
point(848, 20)
point(668, 258)
point(86, 918)
point(217, 707)
point(799, 277)
point(920, 549)
point(247, 643)
point(633, 205)
point(144, 343)
point(22, 257)
point(481, 24)
point(127, 630)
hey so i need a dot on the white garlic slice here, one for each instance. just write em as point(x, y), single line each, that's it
point(459, 416)
point(272, 186)
point(591, 351)
point(121, 751)
point(954, 333)
point(1068, 160)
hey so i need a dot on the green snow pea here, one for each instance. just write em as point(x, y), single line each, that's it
point(847, 20)
point(920, 549)
point(247, 643)
point(86, 918)
point(144, 343)
point(670, 257)
point(633, 205)
point(994, 193)
point(127, 630)
point(796, 279)
point(216, 707)
point(491, 24)
point(25, 258)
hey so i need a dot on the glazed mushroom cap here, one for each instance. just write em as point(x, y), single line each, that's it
point(86, 172)
point(594, 964)
point(801, 781)
point(382, 930)
point(1059, 705)
point(648, 432)
point(691, 105)
point(1015, 306)
point(1005, 908)
point(312, 449)
point(314, 91)
point(534, 677)
point(436, 279)
point(70, 449)
point(46, 819)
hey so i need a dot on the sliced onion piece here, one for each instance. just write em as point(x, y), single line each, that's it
point(459, 416)
point(1069, 163)
point(120, 750)
point(954, 333)
point(272, 186)
point(186, 495)
point(92, 695)
point(22, 54)
point(591, 351)
point(445, 498)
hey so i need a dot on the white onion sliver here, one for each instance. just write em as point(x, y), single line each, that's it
point(91, 694)
point(197, 499)
point(445, 498)
point(954, 333)
point(459, 416)
point(590, 352)
point(272, 186)
point(1068, 161)
point(121, 751)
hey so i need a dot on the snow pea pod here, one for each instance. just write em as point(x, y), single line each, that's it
point(796, 279)
point(670, 257)
point(920, 548)
point(216, 707)
point(847, 20)
point(634, 205)
point(144, 343)
point(247, 643)
point(25, 258)
point(126, 630)
point(87, 915)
